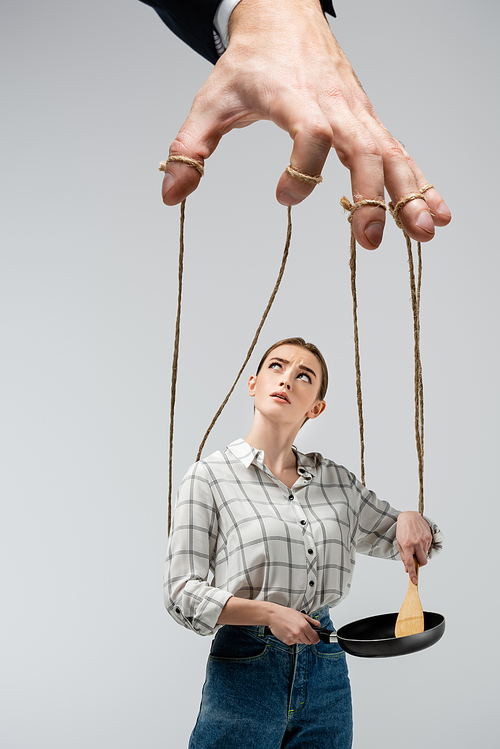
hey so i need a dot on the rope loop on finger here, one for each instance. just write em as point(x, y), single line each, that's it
point(396, 209)
point(425, 188)
point(353, 207)
point(309, 178)
point(185, 160)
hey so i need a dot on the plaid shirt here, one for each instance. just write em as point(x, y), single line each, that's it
point(238, 530)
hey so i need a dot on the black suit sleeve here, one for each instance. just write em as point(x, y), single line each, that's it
point(192, 21)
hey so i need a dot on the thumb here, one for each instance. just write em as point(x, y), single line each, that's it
point(312, 621)
point(197, 139)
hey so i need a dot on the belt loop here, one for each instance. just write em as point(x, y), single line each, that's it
point(262, 630)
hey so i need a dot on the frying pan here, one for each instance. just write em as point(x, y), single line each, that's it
point(374, 637)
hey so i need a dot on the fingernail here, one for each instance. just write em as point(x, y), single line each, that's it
point(374, 232)
point(289, 198)
point(425, 222)
point(443, 209)
point(168, 182)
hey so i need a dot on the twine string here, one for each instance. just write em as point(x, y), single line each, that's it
point(415, 286)
point(175, 362)
point(312, 179)
point(351, 208)
point(415, 289)
point(257, 333)
point(175, 359)
point(184, 160)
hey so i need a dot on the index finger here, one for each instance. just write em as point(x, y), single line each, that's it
point(312, 141)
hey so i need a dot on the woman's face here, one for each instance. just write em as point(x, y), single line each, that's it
point(287, 386)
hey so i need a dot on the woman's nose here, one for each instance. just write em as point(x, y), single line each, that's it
point(285, 385)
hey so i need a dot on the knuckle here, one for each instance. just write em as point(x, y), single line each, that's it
point(393, 152)
point(182, 146)
point(359, 147)
point(368, 147)
point(321, 134)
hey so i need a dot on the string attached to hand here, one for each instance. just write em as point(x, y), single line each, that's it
point(415, 287)
point(352, 208)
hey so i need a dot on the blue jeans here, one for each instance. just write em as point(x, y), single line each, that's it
point(263, 694)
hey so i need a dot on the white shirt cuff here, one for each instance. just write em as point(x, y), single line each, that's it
point(221, 19)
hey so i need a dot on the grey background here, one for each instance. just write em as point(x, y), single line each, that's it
point(92, 95)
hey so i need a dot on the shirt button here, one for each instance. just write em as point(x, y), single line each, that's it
point(291, 496)
point(303, 522)
point(177, 610)
point(311, 583)
point(310, 551)
point(307, 478)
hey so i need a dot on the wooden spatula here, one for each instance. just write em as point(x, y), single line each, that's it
point(410, 619)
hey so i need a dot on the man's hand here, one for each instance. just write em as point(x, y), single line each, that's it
point(284, 64)
point(414, 537)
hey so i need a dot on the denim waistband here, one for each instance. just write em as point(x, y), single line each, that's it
point(262, 630)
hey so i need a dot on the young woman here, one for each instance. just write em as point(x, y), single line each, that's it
point(263, 541)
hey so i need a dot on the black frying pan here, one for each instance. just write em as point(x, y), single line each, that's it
point(374, 637)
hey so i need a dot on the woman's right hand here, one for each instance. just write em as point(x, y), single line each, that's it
point(292, 627)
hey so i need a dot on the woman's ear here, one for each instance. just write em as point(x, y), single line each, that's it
point(251, 385)
point(316, 410)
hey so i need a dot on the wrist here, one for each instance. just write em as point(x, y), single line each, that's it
point(252, 18)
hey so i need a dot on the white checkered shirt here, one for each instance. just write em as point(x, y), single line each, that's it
point(238, 530)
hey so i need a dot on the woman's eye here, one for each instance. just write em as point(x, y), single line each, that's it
point(306, 376)
point(274, 365)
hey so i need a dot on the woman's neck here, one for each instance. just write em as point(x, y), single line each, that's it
point(276, 440)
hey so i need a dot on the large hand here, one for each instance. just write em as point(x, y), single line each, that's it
point(414, 537)
point(283, 64)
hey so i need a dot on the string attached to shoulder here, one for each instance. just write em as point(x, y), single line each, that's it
point(257, 332)
point(415, 287)
point(175, 358)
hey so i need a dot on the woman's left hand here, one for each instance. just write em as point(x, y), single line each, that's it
point(414, 537)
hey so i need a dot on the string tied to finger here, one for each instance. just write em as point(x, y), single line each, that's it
point(184, 160)
point(257, 332)
point(175, 358)
point(396, 208)
point(311, 179)
point(415, 289)
point(352, 208)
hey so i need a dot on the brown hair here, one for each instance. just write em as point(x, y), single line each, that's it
point(309, 347)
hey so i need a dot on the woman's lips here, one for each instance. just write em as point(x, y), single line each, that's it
point(281, 396)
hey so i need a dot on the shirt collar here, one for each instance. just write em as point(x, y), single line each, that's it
point(246, 454)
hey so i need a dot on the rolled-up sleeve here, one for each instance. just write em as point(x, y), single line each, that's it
point(377, 524)
point(189, 598)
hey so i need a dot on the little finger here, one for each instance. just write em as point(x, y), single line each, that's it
point(440, 212)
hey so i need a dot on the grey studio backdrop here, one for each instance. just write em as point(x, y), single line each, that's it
point(92, 95)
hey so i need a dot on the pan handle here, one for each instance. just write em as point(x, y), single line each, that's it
point(326, 635)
